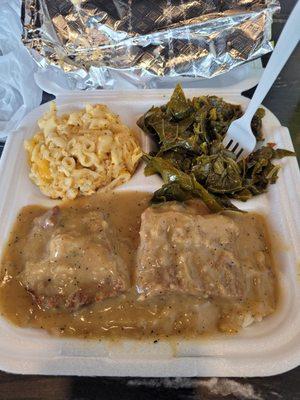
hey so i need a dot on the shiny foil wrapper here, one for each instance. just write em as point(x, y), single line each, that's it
point(144, 42)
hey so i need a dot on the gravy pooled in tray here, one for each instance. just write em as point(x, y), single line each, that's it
point(111, 266)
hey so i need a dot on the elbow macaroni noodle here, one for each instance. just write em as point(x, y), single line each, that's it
point(81, 152)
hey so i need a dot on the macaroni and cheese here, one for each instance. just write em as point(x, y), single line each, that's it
point(81, 152)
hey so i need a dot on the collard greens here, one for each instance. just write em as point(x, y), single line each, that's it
point(190, 156)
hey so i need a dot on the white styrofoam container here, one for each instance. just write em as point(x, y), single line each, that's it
point(266, 348)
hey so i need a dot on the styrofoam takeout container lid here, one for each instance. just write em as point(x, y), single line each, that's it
point(266, 348)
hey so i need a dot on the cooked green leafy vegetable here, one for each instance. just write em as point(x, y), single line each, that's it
point(178, 184)
point(190, 156)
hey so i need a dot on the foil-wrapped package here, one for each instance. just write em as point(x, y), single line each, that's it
point(144, 41)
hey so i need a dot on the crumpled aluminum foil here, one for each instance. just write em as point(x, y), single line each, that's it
point(145, 41)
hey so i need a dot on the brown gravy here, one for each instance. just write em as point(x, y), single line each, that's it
point(121, 316)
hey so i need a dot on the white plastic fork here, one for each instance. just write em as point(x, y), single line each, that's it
point(239, 137)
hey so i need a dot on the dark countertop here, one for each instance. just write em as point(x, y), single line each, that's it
point(283, 101)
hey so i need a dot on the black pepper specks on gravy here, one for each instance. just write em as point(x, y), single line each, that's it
point(109, 265)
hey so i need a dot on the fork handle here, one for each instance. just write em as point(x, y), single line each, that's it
point(287, 41)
